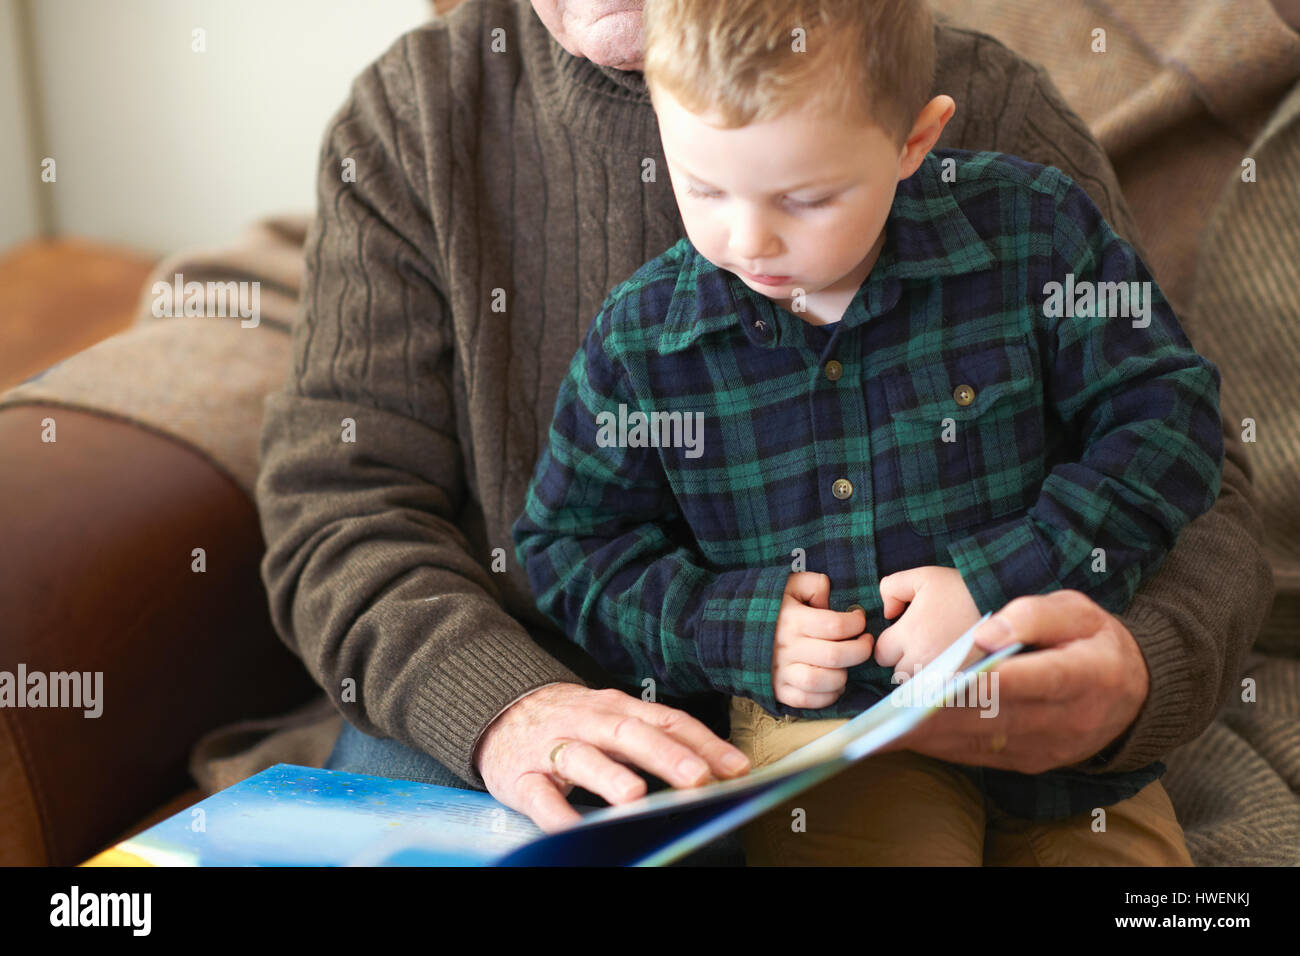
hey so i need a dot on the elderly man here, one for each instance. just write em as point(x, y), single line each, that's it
point(490, 178)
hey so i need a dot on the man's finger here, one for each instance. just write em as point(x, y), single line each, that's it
point(1042, 620)
point(1043, 676)
point(649, 748)
point(582, 764)
point(724, 759)
point(537, 798)
point(961, 735)
point(973, 749)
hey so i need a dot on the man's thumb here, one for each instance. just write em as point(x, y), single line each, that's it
point(1042, 620)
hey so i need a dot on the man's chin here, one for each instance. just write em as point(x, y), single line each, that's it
point(636, 64)
point(614, 41)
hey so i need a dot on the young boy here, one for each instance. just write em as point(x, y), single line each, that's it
point(872, 377)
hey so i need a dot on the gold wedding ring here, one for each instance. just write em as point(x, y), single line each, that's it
point(555, 768)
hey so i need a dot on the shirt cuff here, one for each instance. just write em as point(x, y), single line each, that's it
point(737, 628)
point(1100, 761)
point(1003, 562)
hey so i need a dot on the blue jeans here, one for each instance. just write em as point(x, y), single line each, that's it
point(356, 752)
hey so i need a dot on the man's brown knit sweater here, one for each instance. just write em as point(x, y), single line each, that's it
point(502, 188)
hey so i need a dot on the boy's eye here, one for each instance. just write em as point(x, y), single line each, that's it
point(817, 204)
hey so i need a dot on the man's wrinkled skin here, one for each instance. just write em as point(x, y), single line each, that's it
point(606, 32)
point(1057, 706)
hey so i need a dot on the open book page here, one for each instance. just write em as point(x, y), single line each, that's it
point(302, 816)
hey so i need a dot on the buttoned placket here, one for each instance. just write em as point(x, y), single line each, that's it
point(848, 524)
point(841, 469)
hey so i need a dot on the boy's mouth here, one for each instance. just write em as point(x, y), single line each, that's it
point(764, 279)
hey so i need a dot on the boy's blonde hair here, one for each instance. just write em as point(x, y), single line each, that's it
point(870, 61)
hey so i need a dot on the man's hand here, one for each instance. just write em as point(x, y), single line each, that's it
point(940, 609)
point(1057, 706)
point(601, 728)
point(813, 646)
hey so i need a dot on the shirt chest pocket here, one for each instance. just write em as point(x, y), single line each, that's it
point(968, 437)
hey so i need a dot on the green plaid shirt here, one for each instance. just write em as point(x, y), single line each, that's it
point(964, 412)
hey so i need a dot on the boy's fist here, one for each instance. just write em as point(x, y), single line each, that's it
point(815, 646)
point(940, 609)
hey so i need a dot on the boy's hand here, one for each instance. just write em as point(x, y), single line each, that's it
point(940, 609)
point(815, 646)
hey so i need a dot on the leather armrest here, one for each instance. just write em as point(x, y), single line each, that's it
point(98, 530)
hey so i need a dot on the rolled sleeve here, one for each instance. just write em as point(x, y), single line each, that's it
point(600, 544)
point(1003, 562)
point(739, 623)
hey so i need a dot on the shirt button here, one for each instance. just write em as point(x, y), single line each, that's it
point(963, 395)
point(855, 607)
point(834, 370)
point(842, 488)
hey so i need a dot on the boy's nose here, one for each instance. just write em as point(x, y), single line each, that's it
point(758, 254)
point(752, 243)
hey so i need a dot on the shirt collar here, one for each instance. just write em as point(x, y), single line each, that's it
point(927, 236)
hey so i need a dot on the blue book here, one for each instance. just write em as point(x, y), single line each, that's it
point(301, 816)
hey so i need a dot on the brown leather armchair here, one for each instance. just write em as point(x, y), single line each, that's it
point(119, 508)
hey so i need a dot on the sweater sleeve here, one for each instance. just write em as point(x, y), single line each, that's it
point(369, 579)
point(1197, 616)
point(609, 561)
point(1145, 407)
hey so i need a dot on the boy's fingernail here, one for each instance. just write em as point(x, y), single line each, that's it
point(995, 633)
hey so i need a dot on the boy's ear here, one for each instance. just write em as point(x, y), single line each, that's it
point(925, 133)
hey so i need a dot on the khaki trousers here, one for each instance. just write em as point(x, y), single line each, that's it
point(905, 809)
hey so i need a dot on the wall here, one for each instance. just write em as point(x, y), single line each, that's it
point(160, 147)
point(19, 215)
